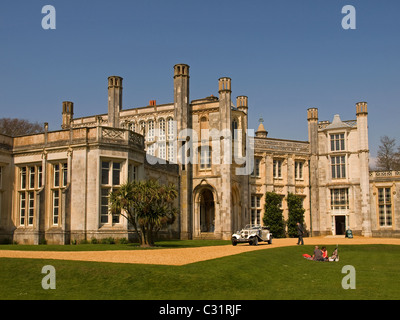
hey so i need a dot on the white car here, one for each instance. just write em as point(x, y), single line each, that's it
point(252, 233)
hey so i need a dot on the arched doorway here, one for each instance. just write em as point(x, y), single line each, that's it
point(207, 211)
point(236, 209)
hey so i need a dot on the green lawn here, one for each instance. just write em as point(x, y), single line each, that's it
point(278, 273)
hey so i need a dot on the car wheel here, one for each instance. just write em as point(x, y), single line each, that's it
point(234, 242)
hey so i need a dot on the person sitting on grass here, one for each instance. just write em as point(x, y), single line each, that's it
point(318, 254)
point(324, 253)
point(335, 255)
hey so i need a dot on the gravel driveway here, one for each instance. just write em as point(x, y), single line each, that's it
point(184, 256)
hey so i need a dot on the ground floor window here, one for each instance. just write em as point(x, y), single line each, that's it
point(26, 208)
point(104, 205)
point(255, 212)
point(56, 206)
point(110, 181)
point(22, 208)
point(385, 207)
point(29, 181)
point(132, 172)
point(60, 181)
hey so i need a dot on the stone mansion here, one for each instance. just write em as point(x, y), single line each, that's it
point(54, 185)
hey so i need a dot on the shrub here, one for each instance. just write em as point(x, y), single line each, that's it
point(109, 240)
point(122, 241)
point(273, 215)
point(296, 213)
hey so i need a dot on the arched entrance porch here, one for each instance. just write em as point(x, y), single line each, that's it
point(207, 211)
point(204, 212)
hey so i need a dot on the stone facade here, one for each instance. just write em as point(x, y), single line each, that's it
point(340, 165)
point(54, 185)
point(59, 182)
point(385, 203)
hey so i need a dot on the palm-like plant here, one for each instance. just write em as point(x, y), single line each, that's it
point(147, 205)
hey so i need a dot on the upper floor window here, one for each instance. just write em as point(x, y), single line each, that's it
point(234, 129)
point(205, 157)
point(60, 175)
point(162, 150)
point(110, 173)
point(142, 128)
point(151, 149)
point(170, 152)
point(132, 172)
point(337, 142)
point(161, 129)
point(170, 129)
point(256, 170)
point(277, 167)
point(204, 128)
point(298, 170)
point(338, 166)
point(30, 177)
point(340, 199)
point(150, 136)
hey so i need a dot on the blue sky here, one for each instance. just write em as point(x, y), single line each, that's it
point(285, 55)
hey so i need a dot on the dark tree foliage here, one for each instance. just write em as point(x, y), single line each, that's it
point(147, 205)
point(296, 213)
point(18, 127)
point(387, 157)
point(273, 215)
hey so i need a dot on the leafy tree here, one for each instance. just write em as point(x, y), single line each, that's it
point(147, 205)
point(296, 213)
point(273, 215)
point(18, 127)
point(388, 159)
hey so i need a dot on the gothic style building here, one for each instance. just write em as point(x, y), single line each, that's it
point(54, 185)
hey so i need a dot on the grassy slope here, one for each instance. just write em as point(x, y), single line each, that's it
point(279, 273)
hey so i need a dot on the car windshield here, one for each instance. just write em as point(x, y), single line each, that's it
point(252, 226)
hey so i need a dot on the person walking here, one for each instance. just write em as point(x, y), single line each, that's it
point(300, 233)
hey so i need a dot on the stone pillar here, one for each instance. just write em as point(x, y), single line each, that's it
point(363, 155)
point(183, 120)
point(114, 100)
point(312, 119)
point(225, 114)
point(67, 114)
